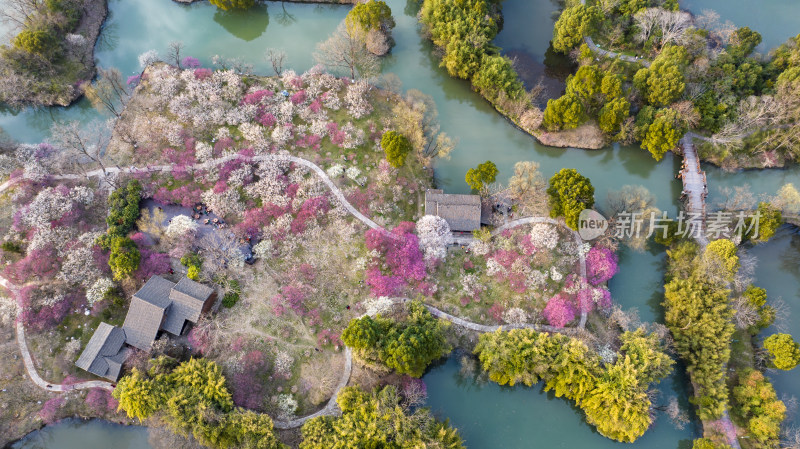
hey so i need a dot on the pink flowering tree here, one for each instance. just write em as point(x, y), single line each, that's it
point(248, 384)
point(559, 311)
point(190, 62)
point(601, 265)
point(401, 261)
point(100, 401)
point(151, 263)
point(50, 410)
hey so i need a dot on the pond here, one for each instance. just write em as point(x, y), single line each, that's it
point(778, 272)
point(134, 27)
point(776, 20)
point(490, 416)
point(78, 434)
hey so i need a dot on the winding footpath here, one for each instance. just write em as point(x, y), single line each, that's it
point(610, 54)
point(331, 408)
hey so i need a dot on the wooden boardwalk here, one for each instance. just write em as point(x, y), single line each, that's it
point(695, 190)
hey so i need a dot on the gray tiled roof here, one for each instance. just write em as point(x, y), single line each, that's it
point(146, 312)
point(462, 212)
point(142, 323)
point(155, 291)
point(187, 301)
point(103, 355)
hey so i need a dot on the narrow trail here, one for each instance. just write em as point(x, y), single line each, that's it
point(331, 408)
point(610, 54)
point(695, 190)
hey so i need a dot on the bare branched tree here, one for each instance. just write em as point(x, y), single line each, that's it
point(163, 438)
point(221, 254)
point(672, 25)
point(747, 270)
point(678, 416)
point(19, 12)
point(109, 92)
point(346, 52)
point(527, 188)
point(790, 438)
point(277, 58)
point(174, 53)
point(745, 314)
point(82, 145)
point(737, 198)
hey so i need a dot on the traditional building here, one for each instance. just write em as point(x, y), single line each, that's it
point(461, 212)
point(105, 352)
point(160, 305)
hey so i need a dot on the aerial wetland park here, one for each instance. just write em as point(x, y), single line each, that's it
point(399, 224)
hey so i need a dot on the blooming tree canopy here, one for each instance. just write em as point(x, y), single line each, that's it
point(434, 236)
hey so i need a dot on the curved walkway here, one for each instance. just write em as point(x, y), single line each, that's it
point(485, 328)
point(610, 54)
point(212, 163)
point(331, 408)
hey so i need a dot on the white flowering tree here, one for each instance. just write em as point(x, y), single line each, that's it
point(356, 99)
point(544, 236)
point(147, 58)
point(434, 236)
point(180, 226)
point(98, 290)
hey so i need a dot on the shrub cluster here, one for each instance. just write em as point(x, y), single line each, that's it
point(699, 315)
point(613, 396)
point(406, 346)
point(465, 30)
point(192, 398)
point(377, 419)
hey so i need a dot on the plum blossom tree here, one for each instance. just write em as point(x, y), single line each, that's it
point(402, 259)
point(180, 226)
point(49, 411)
point(544, 236)
point(346, 51)
point(357, 104)
point(434, 236)
point(601, 265)
point(98, 291)
point(559, 311)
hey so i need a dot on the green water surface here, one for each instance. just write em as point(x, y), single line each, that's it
point(488, 416)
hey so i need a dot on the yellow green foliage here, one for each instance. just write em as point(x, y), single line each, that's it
point(407, 346)
point(566, 112)
point(756, 403)
point(377, 420)
point(574, 23)
point(192, 399)
point(783, 350)
point(698, 314)
point(614, 396)
point(227, 5)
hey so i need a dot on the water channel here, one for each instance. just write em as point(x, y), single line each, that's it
point(511, 417)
